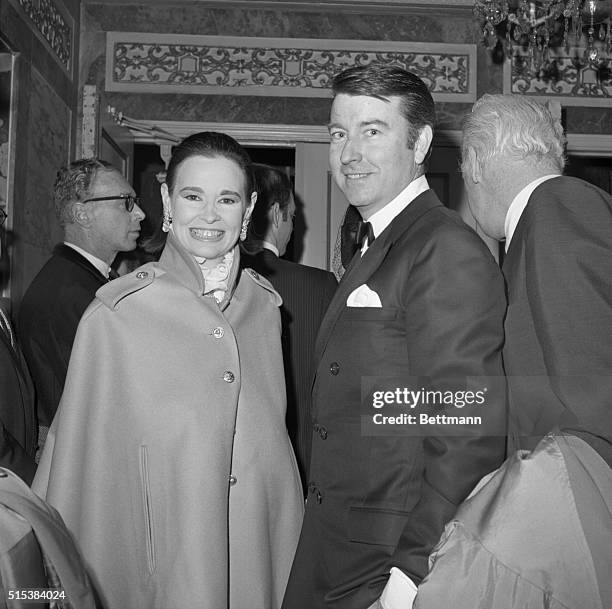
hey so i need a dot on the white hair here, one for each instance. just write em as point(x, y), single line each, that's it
point(512, 125)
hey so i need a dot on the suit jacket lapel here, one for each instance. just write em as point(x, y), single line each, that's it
point(360, 270)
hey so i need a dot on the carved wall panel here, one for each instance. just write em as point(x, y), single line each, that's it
point(275, 66)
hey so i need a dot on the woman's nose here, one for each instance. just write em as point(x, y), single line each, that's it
point(209, 212)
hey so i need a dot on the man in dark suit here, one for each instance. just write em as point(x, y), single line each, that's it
point(542, 522)
point(558, 264)
point(18, 430)
point(306, 293)
point(100, 215)
point(419, 308)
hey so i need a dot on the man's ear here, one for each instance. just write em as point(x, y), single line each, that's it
point(471, 165)
point(276, 214)
point(81, 215)
point(422, 145)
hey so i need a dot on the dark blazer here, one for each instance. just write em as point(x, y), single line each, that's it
point(18, 429)
point(381, 499)
point(558, 354)
point(48, 318)
point(306, 292)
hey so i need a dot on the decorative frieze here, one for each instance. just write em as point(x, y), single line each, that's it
point(568, 79)
point(138, 62)
point(53, 24)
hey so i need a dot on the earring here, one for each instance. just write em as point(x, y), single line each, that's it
point(167, 221)
point(243, 231)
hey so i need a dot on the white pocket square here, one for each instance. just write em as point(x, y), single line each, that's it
point(363, 296)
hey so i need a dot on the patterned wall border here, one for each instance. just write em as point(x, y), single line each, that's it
point(572, 85)
point(53, 25)
point(288, 67)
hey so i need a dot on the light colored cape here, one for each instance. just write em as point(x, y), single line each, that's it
point(167, 396)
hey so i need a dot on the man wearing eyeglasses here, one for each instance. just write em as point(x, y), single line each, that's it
point(100, 215)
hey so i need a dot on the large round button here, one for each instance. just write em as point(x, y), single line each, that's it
point(232, 480)
point(228, 376)
point(218, 332)
point(334, 368)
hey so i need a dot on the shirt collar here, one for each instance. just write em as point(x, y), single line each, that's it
point(383, 217)
point(270, 246)
point(99, 264)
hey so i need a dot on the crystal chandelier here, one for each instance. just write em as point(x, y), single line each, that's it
point(543, 26)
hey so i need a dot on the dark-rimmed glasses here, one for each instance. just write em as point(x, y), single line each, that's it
point(128, 200)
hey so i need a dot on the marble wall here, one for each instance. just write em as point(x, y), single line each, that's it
point(416, 24)
point(45, 36)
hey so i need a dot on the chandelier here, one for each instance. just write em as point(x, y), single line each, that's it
point(542, 27)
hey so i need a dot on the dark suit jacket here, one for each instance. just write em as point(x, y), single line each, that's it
point(48, 318)
point(558, 352)
point(378, 501)
point(18, 429)
point(306, 293)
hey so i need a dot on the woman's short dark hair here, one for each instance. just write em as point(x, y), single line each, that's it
point(211, 144)
point(383, 81)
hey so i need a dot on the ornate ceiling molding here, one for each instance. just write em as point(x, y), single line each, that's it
point(53, 25)
point(287, 67)
point(569, 81)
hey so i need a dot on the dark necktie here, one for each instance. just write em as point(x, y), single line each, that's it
point(364, 231)
point(112, 274)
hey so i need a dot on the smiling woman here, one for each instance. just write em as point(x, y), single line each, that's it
point(169, 459)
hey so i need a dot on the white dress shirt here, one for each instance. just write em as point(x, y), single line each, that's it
point(515, 211)
point(383, 217)
point(400, 591)
point(270, 246)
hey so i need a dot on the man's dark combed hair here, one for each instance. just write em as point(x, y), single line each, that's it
point(273, 186)
point(383, 81)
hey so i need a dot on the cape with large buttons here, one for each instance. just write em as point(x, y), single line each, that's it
point(169, 459)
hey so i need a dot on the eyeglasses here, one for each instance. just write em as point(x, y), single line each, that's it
point(128, 200)
point(3, 216)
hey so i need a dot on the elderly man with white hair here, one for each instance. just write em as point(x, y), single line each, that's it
point(538, 532)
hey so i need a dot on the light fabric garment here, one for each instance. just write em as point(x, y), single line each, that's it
point(169, 459)
point(535, 534)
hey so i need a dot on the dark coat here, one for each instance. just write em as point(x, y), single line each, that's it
point(378, 501)
point(557, 354)
point(18, 429)
point(306, 292)
point(48, 318)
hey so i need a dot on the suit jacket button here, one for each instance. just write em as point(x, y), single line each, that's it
point(334, 368)
point(228, 376)
point(218, 332)
point(232, 480)
point(322, 432)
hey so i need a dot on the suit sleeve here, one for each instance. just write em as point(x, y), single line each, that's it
point(569, 290)
point(14, 457)
point(454, 305)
